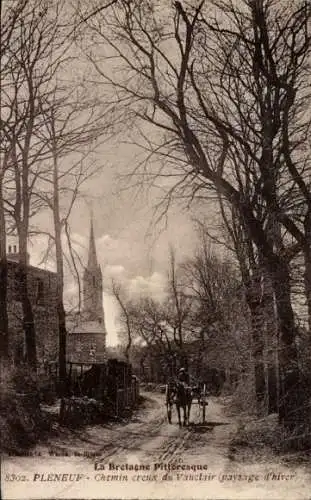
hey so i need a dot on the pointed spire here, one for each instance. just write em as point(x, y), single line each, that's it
point(92, 258)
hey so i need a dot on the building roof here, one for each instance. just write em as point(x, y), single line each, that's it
point(15, 263)
point(88, 327)
point(81, 323)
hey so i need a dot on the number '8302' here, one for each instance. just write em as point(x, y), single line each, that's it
point(15, 477)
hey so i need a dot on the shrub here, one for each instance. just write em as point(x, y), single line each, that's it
point(244, 398)
point(21, 420)
point(256, 438)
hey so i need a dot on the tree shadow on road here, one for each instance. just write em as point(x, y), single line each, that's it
point(205, 427)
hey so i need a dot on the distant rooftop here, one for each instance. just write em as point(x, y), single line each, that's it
point(12, 262)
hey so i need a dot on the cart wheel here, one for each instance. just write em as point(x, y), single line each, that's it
point(168, 405)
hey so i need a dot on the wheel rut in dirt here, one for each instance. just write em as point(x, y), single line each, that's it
point(146, 437)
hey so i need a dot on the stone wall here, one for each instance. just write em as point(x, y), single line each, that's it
point(42, 287)
point(86, 347)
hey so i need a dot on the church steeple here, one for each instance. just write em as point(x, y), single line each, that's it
point(93, 283)
point(92, 257)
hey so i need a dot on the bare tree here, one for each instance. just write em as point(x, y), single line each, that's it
point(179, 307)
point(4, 343)
point(9, 23)
point(218, 301)
point(72, 125)
point(199, 310)
point(259, 297)
point(212, 87)
point(125, 316)
point(33, 56)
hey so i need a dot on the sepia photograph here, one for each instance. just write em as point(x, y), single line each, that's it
point(155, 249)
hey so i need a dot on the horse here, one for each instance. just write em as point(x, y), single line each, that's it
point(180, 394)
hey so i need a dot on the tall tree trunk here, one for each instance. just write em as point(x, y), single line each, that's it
point(21, 215)
point(253, 297)
point(4, 323)
point(252, 282)
point(271, 344)
point(200, 354)
point(128, 346)
point(28, 317)
point(274, 236)
point(307, 260)
point(62, 332)
point(292, 393)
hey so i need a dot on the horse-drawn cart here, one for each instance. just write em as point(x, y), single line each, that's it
point(183, 396)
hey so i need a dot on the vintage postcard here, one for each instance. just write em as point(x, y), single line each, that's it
point(155, 249)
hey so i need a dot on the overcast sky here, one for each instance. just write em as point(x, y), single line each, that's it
point(130, 247)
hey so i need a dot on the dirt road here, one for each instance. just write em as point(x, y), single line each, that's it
point(170, 462)
point(148, 435)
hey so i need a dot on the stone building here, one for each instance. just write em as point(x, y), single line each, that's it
point(86, 340)
point(42, 286)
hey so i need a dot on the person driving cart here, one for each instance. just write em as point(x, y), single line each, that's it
point(183, 376)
